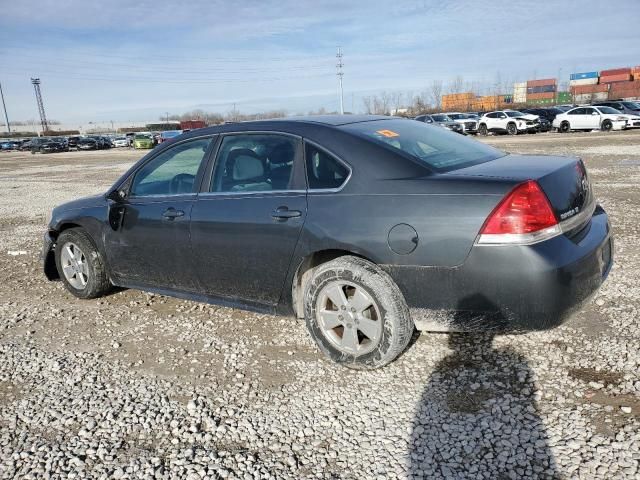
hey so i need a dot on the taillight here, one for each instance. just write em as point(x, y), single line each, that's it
point(524, 216)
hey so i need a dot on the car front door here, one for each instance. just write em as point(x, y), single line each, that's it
point(247, 219)
point(591, 118)
point(576, 118)
point(147, 243)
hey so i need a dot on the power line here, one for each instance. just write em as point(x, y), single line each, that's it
point(340, 74)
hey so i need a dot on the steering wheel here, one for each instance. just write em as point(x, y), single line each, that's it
point(182, 183)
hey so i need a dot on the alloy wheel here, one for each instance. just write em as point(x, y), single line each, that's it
point(74, 266)
point(349, 317)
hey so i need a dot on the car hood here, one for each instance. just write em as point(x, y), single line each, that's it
point(85, 202)
point(528, 116)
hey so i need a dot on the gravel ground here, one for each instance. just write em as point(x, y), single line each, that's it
point(136, 385)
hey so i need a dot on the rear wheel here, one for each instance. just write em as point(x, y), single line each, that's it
point(482, 130)
point(564, 127)
point(80, 265)
point(512, 129)
point(607, 125)
point(356, 313)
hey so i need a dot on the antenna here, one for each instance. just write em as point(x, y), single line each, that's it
point(43, 117)
point(340, 74)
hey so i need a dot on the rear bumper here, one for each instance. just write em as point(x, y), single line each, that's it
point(512, 288)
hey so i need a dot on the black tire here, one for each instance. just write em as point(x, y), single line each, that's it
point(33, 152)
point(564, 127)
point(397, 327)
point(607, 125)
point(512, 129)
point(482, 130)
point(97, 283)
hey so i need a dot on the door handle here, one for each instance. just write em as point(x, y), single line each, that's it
point(283, 213)
point(172, 213)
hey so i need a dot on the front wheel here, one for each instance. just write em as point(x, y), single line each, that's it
point(80, 264)
point(512, 129)
point(607, 125)
point(564, 127)
point(482, 130)
point(356, 313)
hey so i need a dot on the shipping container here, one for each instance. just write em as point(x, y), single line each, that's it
point(583, 81)
point(590, 97)
point(541, 101)
point(615, 71)
point(192, 124)
point(581, 89)
point(564, 97)
point(624, 90)
point(542, 82)
point(583, 76)
point(541, 89)
point(621, 77)
point(541, 95)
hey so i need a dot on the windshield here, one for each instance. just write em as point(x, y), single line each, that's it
point(435, 147)
point(608, 110)
point(632, 105)
point(440, 118)
point(456, 116)
point(142, 137)
point(514, 114)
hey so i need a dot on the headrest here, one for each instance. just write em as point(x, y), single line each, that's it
point(247, 167)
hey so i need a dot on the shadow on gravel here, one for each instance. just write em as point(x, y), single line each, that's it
point(477, 417)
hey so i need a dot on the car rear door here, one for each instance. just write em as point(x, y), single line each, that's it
point(576, 118)
point(247, 219)
point(147, 243)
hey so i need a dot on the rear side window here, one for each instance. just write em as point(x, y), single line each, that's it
point(433, 147)
point(323, 169)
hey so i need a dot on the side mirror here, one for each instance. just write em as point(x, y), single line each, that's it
point(594, 113)
point(117, 195)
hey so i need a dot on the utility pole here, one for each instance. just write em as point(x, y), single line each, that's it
point(340, 74)
point(4, 106)
point(43, 117)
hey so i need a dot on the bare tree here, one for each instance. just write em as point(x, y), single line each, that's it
point(396, 101)
point(435, 93)
point(368, 104)
point(456, 85)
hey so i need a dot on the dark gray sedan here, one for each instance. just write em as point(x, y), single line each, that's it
point(367, 227)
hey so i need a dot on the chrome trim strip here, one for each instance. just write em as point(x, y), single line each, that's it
point(338, 158)
point(236, 194)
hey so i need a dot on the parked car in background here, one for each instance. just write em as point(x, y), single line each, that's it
point(590, 118)
point(441, 120)
point(245, 215)
point(10, 145)
point(468, 122)
point(46, 145)
point(566, 107)
point(73, 142)
point(88, 143)
point(63, 141)
point(623, 106)
point(168, 134)
point(121, 142)
point(26, 145)
point(142, 140)
point(512, 122)
point(548, 113)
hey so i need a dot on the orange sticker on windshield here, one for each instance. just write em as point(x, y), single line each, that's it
point(388, 133)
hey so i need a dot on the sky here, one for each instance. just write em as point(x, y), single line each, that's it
point(127, 60)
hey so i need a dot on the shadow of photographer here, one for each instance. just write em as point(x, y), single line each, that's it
point(478, 418)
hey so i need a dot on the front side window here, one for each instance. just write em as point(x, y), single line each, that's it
point(324, 171)
point(590, 111)
point(436, 148)
point(255, 163)
point(173, 172)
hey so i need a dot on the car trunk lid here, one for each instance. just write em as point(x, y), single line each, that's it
point(564, 180)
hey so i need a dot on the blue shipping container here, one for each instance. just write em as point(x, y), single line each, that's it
point(582, 76)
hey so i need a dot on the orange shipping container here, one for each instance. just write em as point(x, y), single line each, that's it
point(541, 83)
point(621, 77)
point(581, 89)
point(540, 96)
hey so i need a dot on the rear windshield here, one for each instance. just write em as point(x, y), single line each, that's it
point(435, 147)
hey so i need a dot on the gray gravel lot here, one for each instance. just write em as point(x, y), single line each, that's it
point(136, 385)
